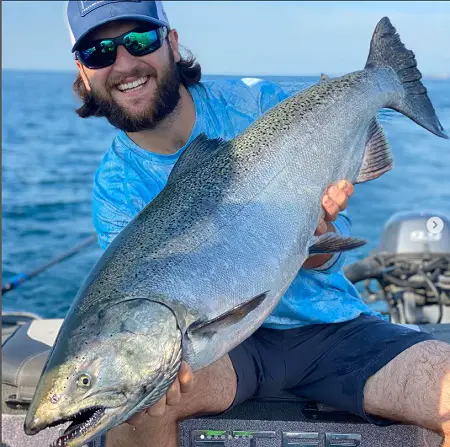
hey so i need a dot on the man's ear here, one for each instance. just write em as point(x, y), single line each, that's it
point(173, 40)
point(83, 75)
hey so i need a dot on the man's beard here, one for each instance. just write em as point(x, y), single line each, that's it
point(166, 98)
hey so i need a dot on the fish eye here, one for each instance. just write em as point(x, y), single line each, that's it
point(84, 380)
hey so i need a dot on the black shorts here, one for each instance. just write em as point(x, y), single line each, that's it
point(328, 363)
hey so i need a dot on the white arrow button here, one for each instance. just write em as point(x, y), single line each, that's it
point(435, 225)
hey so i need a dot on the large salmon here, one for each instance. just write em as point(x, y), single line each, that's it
point(205, 263)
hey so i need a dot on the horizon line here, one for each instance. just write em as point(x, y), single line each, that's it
point(432, 76)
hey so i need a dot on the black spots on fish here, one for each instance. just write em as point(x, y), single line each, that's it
point(101, 281)
point(319, 94)
point(270, 130)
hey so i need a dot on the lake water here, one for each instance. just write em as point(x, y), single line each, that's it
point(50, 156)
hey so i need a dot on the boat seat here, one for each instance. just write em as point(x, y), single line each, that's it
point(24, 354)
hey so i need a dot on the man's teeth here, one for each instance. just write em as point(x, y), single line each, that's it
point(132, 85)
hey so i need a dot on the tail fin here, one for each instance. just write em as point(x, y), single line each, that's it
point(387, 50)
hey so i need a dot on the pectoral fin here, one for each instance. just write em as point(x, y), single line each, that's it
point(227, 319)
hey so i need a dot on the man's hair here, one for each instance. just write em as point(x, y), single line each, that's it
point(188, 68)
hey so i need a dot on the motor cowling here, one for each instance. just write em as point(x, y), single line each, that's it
point(412, 268)
point(407, 233)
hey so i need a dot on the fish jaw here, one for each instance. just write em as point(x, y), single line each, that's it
point(87, 422)
point(78, 434)
point(93, 411)
point(91, 414)
point(96, 414)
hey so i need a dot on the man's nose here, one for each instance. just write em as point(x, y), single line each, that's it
point(124, 60)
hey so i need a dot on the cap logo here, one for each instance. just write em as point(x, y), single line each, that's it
point(87, 6)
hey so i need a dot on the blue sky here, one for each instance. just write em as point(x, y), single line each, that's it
point(250, 37)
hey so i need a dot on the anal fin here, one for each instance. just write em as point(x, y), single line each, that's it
point(377, 157)
point(334, 243)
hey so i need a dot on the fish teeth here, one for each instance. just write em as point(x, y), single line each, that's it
point(134, 84)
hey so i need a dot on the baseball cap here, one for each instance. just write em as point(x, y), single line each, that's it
point(85, 16)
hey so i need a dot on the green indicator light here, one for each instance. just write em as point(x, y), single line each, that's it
point(214, 432)
point(243, 433)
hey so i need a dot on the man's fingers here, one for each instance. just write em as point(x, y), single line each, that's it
point(338, 196)
point(347, 187)
point(174, 393)
point(186, 377)
point(331, 208)
point(334, 201)
point(159, 408)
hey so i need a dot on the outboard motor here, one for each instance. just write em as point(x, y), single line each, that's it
point(412, 268)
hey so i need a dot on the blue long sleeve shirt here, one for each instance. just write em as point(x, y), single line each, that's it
point(130, 177)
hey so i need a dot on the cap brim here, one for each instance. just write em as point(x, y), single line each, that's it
point(113, 19)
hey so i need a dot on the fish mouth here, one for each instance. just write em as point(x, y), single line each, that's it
point(82, 422)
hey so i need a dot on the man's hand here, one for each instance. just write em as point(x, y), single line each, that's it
point(334, 200)
point(182, 384)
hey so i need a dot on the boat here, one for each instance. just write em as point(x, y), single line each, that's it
point(411, 269)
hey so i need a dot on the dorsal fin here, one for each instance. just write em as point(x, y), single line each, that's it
point(324, 77)
point(195, 154)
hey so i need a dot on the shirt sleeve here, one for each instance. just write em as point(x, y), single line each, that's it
point(109, 207)
point(343, 227)
point(271, 94)
point(267, 94)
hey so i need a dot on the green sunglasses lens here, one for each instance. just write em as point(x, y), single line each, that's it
point(103, 52)
point(100, 55)
point(141, 43)
point(107, 46)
